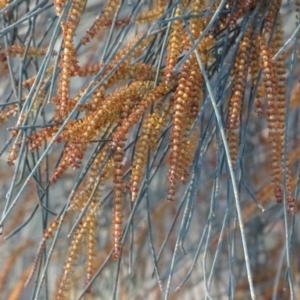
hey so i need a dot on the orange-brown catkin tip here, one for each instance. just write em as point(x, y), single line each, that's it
point(150, 16)
point(152, 127)
point(280, 67)
point(189, 147)
point(74, 249)
point(65, 76)
point(68, 59)
point(233, 139)
point(140, 158)
point(59, 4)
point(8, 112)
point(91, 246)
point(101, 20)
point(118, 195)
point(15, 50)
point(51, 229)
point(254, 71)
point(196, 24)
point(240, 72)
point(188, 86)
point(240, 10)
point(175, 45)
point(13, 154)
point(270, 17)
point(72, 156)
point(48, 233)
point(274, 116)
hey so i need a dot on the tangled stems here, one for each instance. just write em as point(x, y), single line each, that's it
point(133, 124)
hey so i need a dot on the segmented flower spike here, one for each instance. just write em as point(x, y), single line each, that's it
point(18, 50)
point(118, 198)
point(73, 253)
point(108, 12)
point(188, 86)
point(151, 130)
point(275, 139)
point(157, 93)
point(240, 71)
point(255, 69)
point(175, 45)
point(277, 43)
